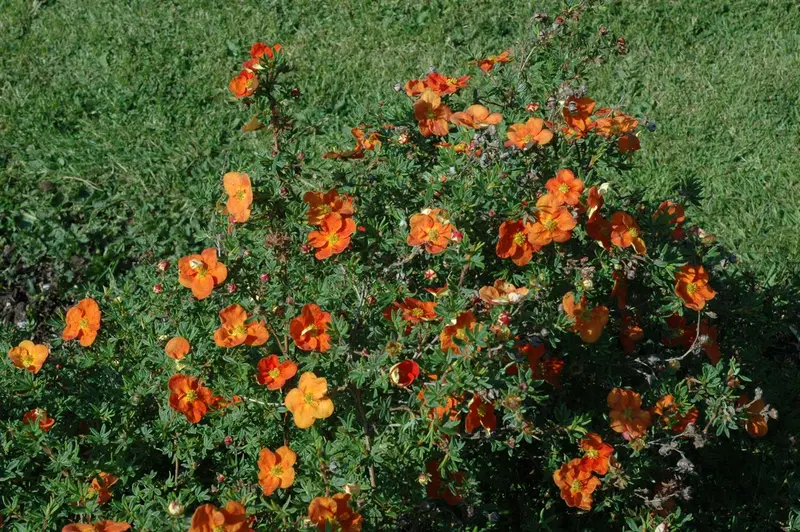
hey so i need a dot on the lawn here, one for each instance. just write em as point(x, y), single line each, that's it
point(116, 126)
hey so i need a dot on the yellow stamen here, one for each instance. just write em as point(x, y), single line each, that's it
point(520, 238)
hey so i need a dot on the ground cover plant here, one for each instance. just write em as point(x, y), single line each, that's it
point(451, 316)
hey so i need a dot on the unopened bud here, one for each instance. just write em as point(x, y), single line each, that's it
point(175, 508)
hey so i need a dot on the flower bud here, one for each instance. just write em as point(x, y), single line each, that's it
point(228, 440)
point(162, 266)
point(404, 373)
point(430, 274)
point(424, 479)
point(265, 278)
point(158, 288)
point(353, 489)
point(175, 508)
point(232, 288)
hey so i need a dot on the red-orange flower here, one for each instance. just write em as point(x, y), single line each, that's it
point(333, 236)
point(234, 331)
point(756, 422)
point(577, 484)
point(630, 333)
point(589, 323)
point(28, 355)
point(101, 485)
point(403, 374)
point(546, 369)
point(620, 289)
point(625, 232)
point(99, 526)
point(691, 285)
point(430, 228)
point(435, 489)
point(240, 196)
point(412, 310)
point(334, 514)
point(83, 322)
point(450, 410)
point(614, 124)
point(515, 242)
point(308, 401)
point(189, 397)
point(276, 470)
point(465, 322)
point(177, 348)
point(39, 416)
point(443, 85)
point(528, 134)
point(680, 334)
point(627, 416)
point(596, 454)
point(433, 116)
point(363, 143)
point(565, 187)
point(244, 84)
point(476, 117)
point(321, 205)
point(670, 413)
point(502, 293)
point(232, 518)
point(489, 63)
point(201, 272)
point(553, 223)
point(578, 116)
point(481, 414)
point(594, 201)
point(309, 330)
point(708, 341)
point(273, 373)
point(259, 50)
point(599, 229)
point(628, 142)
point(669, 214)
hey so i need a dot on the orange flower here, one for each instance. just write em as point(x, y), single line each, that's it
point(589, 323)
point(627, 416)
point(177, 347)
point(502, 293)
point(308, 401)
point(756, 422)
point(83, 322)
point(669, 410)
point(614, 124)
point(240, 196)
point(628, 143)
point(259, 50)
point(276, 470)
point(458, 329)
point(594, 201)
point(599, 229)
point(232, 518)
point(234, 331)
point(28, 355)
point(443, 85)
point(620, 289)
point(334, 514)
point(691, 285)
point(412, 310)
point(321, 205)
point(578, 116)
point(708, 341)
point(309, 329)
point(481, 414)
point(99, 526)
point(101, 485)
point(201, 272)
point(548, 370)
point(680, 334)
point(553, 223)
point(431, 229)
point(630, 333)
point(515, 242)
point(245, 84)
point(476, 117)
point(362, 143)
point(670, 213)
point(448, 411)
point(273, 373)
point(403, 374)
point(451, 494)
point(333, 236)
point(488, 64)
point(625, 232)
point(414, 87)
point(189, 397)
point(431, 114)
point(577, 484)
point(530, 133)
point(596, 454)
point(39, 415)
point(565, 187)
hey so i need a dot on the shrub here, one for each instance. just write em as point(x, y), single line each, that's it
point(459, 322)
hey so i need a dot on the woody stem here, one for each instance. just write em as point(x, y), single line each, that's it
point(367, 441)
point(694, 342)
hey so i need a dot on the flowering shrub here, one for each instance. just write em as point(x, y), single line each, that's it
point(458, 322)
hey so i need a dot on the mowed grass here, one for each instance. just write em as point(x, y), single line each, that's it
point(116, 121)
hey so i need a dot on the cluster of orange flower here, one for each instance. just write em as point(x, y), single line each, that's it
point(246, 82)
point(581, 118)
point(333, 215)
point(576, 478)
